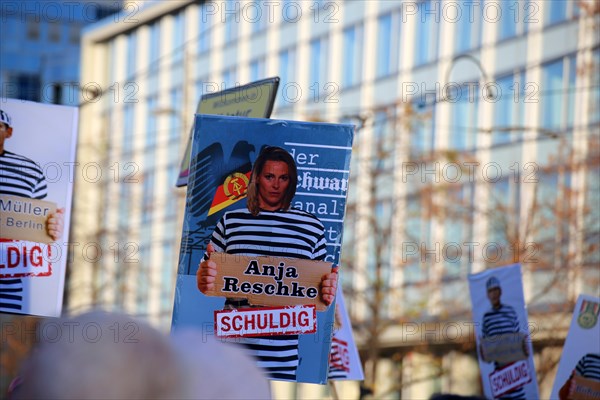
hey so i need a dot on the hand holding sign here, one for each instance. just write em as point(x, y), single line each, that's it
point(207, 272)
point(329, 286)
point(55, 224)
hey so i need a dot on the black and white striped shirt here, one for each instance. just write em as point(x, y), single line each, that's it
point(19, 176)
point(291, 233)
point(498, 321)
point(589, 367)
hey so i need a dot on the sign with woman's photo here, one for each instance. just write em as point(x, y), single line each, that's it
point(37, 164)
point(503, 343)
point(262, 237)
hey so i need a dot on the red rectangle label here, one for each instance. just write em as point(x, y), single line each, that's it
point(511, 377)
point(266, 321)
point(20, 258)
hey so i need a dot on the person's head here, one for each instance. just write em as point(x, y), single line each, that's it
point(5, 128)
point(273, 181)
point(494, 291)
point(216, 369)
point(101, 355)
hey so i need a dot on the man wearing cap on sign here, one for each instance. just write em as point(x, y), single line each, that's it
point(501, 319)
point(22, 177)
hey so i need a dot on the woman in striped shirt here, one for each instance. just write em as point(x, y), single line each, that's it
point(269, 227)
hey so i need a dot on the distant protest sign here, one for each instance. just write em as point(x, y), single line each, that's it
point(254, 100)
point(344, 360)
point(37, 167)
point(578, 375)
point(503, 343)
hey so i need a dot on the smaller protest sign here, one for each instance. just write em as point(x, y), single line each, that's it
point(344, 360)
point(270, 281)
point(578, 375)
point(25, 219)
point(504, 348)
point(266, 321)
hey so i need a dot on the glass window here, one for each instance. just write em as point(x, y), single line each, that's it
point(318, 61)
point(147, 191)
point(415, 240)
point(504, 112)
point(178, 38)
point(384, 44)
point(257, 69)
point(509, 19)
point(131, 55)
point(504, 208)
point(556, 11)
point(74, 33)
point(29, 86)
point(288, 88)
point(464, 126)
point(124, 207)
point(231, 12)
point(229, 78)
point(353, 55)
point(423, 129)
point(257, 14)
point(205, 28)
point(154, 55)
point(427, 29)
point(551, 95)
point(128, 130)
point(468, 27)
point(594, 105)
point(151, 127)
point(54, 31)
point(175, 123)
point(33, 28)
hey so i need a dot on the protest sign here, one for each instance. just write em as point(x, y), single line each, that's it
point(504, 348)
point(344, 361)
point(37, 166)
point(224, 150)
point(578, 375)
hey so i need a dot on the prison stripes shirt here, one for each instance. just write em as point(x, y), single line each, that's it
point(22, 177)
point(589, 367)
point(292, 233)
point(504, 319)
point(11, 294)
point(498, 321)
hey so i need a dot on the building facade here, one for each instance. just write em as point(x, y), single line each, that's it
point(477, 146)
point(39, 55)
